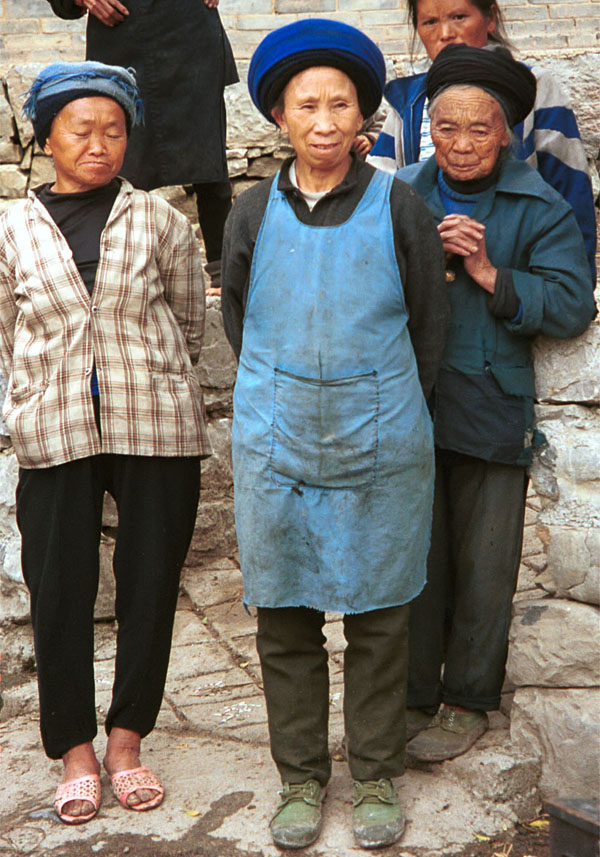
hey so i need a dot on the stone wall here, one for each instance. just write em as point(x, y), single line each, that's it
point(554, 659)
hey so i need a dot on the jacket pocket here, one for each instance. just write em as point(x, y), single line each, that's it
point(324, 433)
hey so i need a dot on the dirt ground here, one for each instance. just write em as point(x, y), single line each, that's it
point(529, 840)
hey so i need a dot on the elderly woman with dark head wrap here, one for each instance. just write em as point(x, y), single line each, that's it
point(547, 137)
point(333, 299)
point(101, 318)
point(516, 268)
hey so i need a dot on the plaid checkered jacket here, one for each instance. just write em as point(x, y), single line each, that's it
point(142, 327)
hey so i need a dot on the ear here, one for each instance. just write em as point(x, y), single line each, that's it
point(47, 148)
point(493, 20)
point(278, 115)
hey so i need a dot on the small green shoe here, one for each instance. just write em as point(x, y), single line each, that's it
point(451, 733)
point(297, 821)
point(377, 817)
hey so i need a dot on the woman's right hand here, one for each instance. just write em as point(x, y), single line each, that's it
point(109, 12)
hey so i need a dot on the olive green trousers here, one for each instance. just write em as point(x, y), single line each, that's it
point(294, 662)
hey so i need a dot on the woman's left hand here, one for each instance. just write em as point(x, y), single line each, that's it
point(463, 236)
point(212, 4)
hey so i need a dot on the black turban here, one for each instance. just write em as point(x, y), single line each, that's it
point(493, 69)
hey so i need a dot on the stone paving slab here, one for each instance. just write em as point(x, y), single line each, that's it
point(211, 749)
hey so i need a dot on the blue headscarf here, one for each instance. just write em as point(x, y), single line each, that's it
point(313, 42)
point(63, 82)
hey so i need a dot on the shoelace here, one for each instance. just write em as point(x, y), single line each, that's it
point(373, 791)
point(307, 792)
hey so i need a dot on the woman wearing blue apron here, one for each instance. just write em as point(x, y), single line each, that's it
point(334, 301)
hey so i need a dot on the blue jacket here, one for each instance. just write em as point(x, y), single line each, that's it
point(548, 140)
point(486, 387)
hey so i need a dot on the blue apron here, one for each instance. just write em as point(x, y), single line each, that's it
point(332, 441)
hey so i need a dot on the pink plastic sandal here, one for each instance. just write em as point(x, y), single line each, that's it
point(83, 788)
point(124, 783)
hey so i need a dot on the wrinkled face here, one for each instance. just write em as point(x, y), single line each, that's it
point(444, 22)
point(321, 117)
point(468, 131)
point(87, 142)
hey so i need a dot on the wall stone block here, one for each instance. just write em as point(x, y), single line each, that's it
point(42, 170)
point(554, 643)
point(10, 539)
point(573, 561)
point(568, 370)
point(560, 726)
point(13, 182)
point(217, 367)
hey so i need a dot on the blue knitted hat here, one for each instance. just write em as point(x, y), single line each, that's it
point(312, 42)
point(63, 82)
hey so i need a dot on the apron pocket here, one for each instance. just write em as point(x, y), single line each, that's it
point(324, 433)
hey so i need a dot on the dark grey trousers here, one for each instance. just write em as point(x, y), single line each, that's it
point(462, 617)
point(290, 644)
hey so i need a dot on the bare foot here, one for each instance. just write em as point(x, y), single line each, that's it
point(79, 761)
point(123, 753)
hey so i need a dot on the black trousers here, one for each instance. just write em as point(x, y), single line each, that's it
point(462, 617)
point(213, 200)
point(293, 659)
point(59, 513)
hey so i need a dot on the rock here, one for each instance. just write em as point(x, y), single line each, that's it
point(217, 474)
point(245, 125)
point(13, 182)
point(236, 167)
point(264, 167)
point(18, 656)
point(573, 559)
point(104, 609)
point(496, 775)
point(14, 603)
point(18, 80)
point(554, 643)
point(561, 727)
point(566, 470)
point(10, 153)
point(10, 539)
point(215, 529)
point(568, 370)
point(42, 171)
point(217, 367)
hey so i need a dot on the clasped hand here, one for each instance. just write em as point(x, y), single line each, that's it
point(463, 236)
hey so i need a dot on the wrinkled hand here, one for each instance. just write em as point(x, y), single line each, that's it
point(109, 12)
point(463, 236)
point(212, 4)
point(362, 144)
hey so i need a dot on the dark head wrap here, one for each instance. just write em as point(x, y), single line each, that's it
point(493, 69)
point(63, 82)
point(313, 42)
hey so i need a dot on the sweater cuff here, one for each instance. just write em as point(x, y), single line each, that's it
point(504, 303)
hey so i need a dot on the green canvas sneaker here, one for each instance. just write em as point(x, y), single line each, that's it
point(452, 732)
point(297, 821)
point(377, 817)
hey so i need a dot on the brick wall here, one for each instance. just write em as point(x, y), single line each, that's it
point(538, 28)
